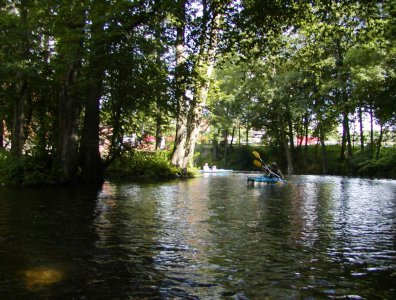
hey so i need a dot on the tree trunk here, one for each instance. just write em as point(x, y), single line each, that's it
point(18, 124)
point(193, 124)
point(289, 160)
point(361, 128)
point(91, 165)
point(306, 125)
point(67, 150)
point(117, 134)
point(70, 49)
point(346, 147)
point(232, 137)
point(158, 131)
point(348, 136)
point(204, 70)
point(324, 152)
point(290, 132)
point(379, 141)
point(19, 118)
point(180, 87)
point(225, 146)
point(239, 135)
point(371, 132)
point(180, 142)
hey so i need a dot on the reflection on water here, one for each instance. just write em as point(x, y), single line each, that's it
point(39, 277)
point(205, 238)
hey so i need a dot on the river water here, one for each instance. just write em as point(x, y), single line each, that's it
point(205, 238)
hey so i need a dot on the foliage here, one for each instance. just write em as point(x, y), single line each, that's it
point(385, 166)
point(136, 164)
point(28, 170)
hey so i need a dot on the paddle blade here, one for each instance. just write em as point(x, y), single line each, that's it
point(257, 163)
point(256, 154)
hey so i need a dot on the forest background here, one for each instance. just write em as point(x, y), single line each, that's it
point(90, 87)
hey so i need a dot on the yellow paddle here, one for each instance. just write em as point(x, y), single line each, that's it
point(259, 163)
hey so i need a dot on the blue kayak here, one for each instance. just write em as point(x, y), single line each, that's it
point(263, 180)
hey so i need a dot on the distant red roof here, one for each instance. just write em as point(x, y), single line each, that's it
point(310, 140)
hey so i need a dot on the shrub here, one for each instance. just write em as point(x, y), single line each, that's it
point(143, 164)
point(27, 170)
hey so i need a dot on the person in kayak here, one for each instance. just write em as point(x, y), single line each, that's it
point(275, 170)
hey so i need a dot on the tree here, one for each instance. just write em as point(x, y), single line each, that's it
point(202, 56)
point(180, 86)
point(70, 35)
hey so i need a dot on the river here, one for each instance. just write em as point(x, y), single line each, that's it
point(213, 237)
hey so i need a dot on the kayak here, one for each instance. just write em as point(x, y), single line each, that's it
point(217, 171)
point(263, 180)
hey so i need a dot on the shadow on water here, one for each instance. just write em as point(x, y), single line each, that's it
point(69, 243)
point(41, 231)
point(210, 237)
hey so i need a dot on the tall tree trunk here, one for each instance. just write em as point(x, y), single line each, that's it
point(239, 135)
point(117, 133)
point(69, 108)
point(68, 134)
point(232, 137)
point(19, 115)
point(306, 126)
point(204, 70)
point(346, 147)
point(18, 123)
point(290, 131)
point(158, 130)
point(225, 146)
point(361, 128)
point(379, 141)
point(288, 155)
point(348, 136)
point(371, 132)
point(180, 87)
point(91, 165)
point(324, 151)
point(343, 145)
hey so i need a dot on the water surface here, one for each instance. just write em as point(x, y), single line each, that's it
point(205, 238)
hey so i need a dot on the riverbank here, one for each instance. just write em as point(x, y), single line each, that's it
point(30, 170)
point(306, 161)
point(137, 165)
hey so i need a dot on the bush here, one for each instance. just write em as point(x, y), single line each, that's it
point(383, 167)
point(143, 164)
point(27, 170)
